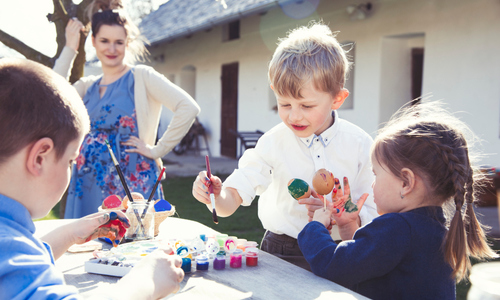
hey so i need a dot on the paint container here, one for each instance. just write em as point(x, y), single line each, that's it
point(182, 251)
point(230, 244)
point(240, 244)
point(197, 246)
point(252, 257)
point(235, 258)
point(203, 237)
point(220, 261)
point(202, 262)
point(221, 239)
point(186, 265)
point(251, 244)
point(212, 247)
point(485, 280)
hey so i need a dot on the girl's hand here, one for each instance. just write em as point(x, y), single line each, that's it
point(200, 187)
point(72, 33)
point(140, 147)
point(112, 225)
point(345, 212)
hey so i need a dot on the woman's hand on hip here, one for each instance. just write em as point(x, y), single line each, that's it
point(138, 146)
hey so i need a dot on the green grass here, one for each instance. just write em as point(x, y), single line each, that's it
point(244, 223)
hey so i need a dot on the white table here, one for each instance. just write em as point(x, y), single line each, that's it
point(273, 278)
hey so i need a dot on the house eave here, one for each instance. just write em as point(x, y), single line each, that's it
point(227, 19)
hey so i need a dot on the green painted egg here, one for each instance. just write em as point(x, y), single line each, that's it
point(299, 189)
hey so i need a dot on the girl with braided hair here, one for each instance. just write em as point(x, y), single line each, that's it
point(423, 167)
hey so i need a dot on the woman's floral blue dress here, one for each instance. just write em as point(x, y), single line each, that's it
point(94, 176)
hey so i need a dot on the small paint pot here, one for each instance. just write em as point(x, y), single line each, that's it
point(220, 261)
point(235, 259)
point(221, 239)
point(179, 243)
point(202, 263)
point(240, 244)
point(252, 257)
point(251, 244)
point(186, 265)
point(230, 244)
point(183, 251)
point(212, 247)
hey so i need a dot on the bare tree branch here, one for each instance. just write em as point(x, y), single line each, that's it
point(24, 49)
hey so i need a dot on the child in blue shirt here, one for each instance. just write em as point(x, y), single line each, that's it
point(421, 163)
point(42, 125)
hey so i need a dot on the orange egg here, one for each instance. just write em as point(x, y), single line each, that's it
point(136, 196)
point(323, 182)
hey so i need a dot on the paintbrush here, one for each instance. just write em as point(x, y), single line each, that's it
point(152, 193)
point(124, 183)
point(211, 190)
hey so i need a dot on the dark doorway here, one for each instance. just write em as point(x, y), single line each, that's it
point(417, 73)
point(229, 109)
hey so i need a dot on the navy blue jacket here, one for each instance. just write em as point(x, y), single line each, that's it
point(396, 256)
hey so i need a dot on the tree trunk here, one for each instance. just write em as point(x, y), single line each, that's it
point(63, 11)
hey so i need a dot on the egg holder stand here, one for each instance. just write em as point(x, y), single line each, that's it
point(120, 260)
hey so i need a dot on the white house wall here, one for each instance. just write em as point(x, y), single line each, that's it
point(461, 63)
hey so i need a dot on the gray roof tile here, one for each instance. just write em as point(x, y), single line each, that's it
point(177, 18)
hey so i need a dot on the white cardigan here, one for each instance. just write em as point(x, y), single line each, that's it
point(151, 91)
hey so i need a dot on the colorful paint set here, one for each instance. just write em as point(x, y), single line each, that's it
point(197, 254)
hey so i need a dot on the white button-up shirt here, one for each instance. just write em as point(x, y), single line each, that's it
point(343, 149)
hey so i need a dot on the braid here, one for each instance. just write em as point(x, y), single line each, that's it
point(455, 241)
point(476, 237)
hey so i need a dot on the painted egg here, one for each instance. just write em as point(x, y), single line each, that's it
point(162, 205)
point(323, 182)
point(112, 201)
point(299, 189)
point(135, 195)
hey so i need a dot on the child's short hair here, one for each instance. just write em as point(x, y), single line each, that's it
point(35, 102)
point(308, 54)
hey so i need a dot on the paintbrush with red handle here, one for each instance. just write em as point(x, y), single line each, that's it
point(211, 190)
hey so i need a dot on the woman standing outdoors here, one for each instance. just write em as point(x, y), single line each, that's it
point(124, 105)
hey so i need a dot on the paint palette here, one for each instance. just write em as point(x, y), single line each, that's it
point(119, 261)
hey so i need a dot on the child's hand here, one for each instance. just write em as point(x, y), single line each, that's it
point(112, 225)
point(323, 216)
point(312, 204)
point(201, 184)
point(154, 277)
point(345, 212)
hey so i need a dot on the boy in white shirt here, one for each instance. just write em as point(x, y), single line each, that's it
point(307, 74)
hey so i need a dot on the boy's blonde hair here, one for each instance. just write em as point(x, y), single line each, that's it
point(308, 54)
